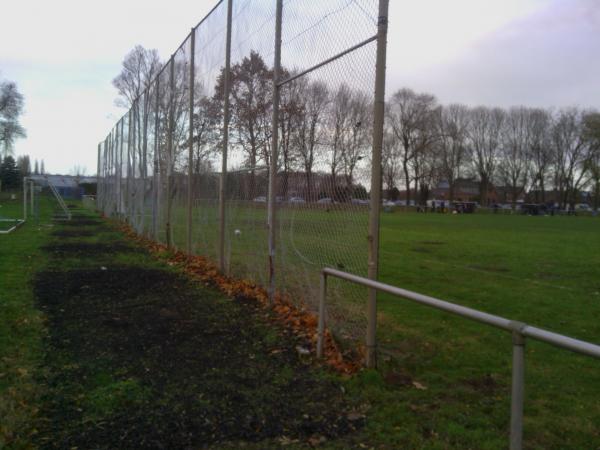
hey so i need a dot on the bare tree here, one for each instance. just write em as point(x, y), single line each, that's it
point(514, 167)
point(390, 160)
point(291, 108)
point(484, 138)
point(310, 131)
point(452, 126)
point(573, 153)
point(340, 121)
point(410, 116)
point(358, 138)
point(592, 135)
point(139, 68)
point(540, 151)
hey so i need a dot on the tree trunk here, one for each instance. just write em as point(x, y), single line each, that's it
point(406, 183)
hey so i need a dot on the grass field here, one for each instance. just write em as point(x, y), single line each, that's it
point(541, 270)
point(444, 382)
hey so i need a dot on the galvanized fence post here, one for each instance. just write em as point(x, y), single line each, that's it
point(191, 144)
point(223, 177)
point(378, 119)
point(171, 128)
point(120, 163)
point(156, 172)
point(128, 173)
point(518, 386)
point(144, 163)
point(272, 205)
point(98, 187)
point(134, 143)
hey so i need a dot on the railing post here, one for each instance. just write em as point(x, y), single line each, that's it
point(321, 325)
point(518, 387)
point(378, 118)
point(191, 143)
point(223, 177)
point(272, 205)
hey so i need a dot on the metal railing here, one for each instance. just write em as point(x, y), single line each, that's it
point(519, 331)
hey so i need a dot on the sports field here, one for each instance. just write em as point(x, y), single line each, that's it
point(544, 271)
point(541, 270)
point(443, 382)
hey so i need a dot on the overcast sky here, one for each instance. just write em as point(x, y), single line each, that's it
point(63, 55)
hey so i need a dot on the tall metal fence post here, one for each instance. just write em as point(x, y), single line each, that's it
point(156, 173)
point(171, 128)
point(120, 165)
point(378, 119)
point(98, 177)
point(518, 387)
point(272, 205)
point(128, 180)
point(223, 178)
point(191, 143)
point(144, 163)
point(132, 177)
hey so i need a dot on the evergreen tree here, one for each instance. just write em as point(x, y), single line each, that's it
point(36, 168)
point(42, 170)
point(9, 174)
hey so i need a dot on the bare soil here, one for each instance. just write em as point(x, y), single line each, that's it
point(141, 357)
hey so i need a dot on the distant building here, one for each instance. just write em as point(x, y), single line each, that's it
point(68, 186)
point(465, 190)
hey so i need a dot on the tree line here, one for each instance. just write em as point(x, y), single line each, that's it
point(325, 131)
point(520, 148)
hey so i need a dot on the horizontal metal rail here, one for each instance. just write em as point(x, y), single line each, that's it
point(327, 61)
point(519, 332)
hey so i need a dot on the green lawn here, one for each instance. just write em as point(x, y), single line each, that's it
point(541, 270)
point(21, 324)
point(444, 382)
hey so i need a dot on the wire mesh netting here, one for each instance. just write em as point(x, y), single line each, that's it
point(201, 135)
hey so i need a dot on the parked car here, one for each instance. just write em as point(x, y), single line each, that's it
point(261, 199)
point(325, 201)
point(359, 201)
point(296, 200)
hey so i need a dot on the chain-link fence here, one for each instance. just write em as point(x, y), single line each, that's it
point(254, 145)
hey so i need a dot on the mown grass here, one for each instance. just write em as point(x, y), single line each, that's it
point(541, 270)
point(21, 324)
point(443, 382)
